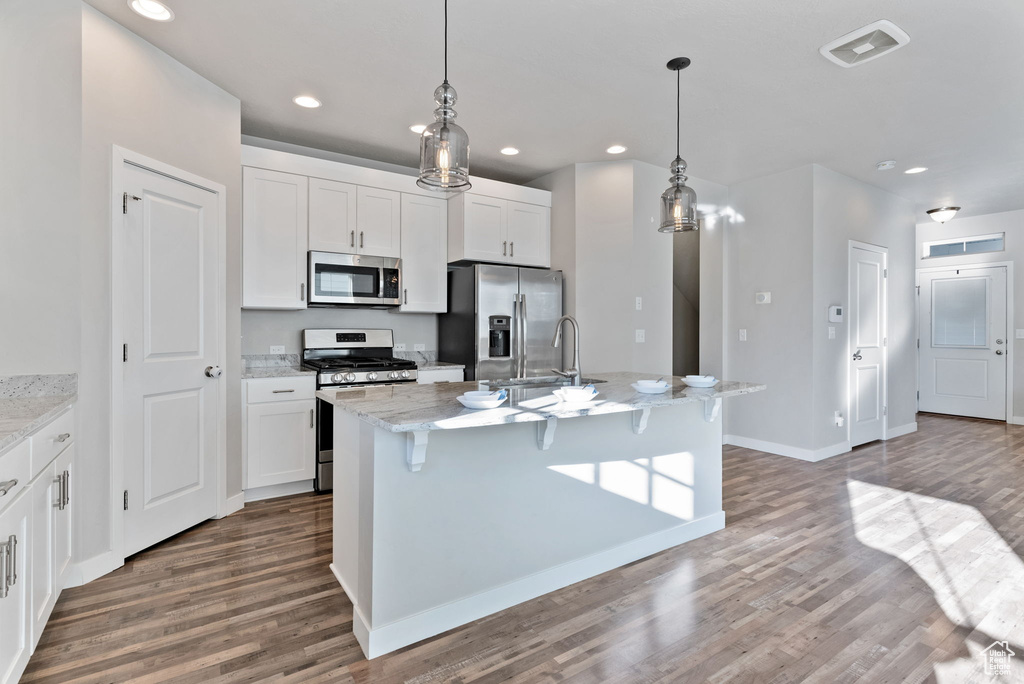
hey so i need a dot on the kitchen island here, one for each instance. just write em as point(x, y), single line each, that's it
point(443, 515)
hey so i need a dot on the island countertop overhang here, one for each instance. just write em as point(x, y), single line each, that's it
point(418, 408)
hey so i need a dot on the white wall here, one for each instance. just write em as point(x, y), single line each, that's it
point(846, 209)
point(1011, 223)
point(40, 155)
point(652, 273)
point(139, 98)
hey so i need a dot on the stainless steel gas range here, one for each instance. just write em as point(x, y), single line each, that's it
point(347, 359)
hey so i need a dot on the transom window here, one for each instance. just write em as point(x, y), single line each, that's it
point(976, 244)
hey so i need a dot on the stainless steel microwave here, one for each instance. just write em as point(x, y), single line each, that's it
point(354, 280)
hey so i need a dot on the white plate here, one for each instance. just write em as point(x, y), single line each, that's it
point(651, 389)
point(576, 397)
point(704, 383)
point(481, 403)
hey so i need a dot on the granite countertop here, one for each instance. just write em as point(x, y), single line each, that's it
point(20, 416)
point(408, 408)
point(275, 372)
point(438, 365)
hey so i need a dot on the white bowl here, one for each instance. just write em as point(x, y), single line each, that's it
point(484, 394)
point(481, 402)
point(575, 395)
point(652, 383)
point(650, 389)
point(700, 380)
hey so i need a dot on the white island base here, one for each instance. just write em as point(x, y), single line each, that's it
point(492, 518)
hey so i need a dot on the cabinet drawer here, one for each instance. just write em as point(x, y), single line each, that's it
point(428, 376)
point(14, 468)
point(52, 439)
point(281, 389)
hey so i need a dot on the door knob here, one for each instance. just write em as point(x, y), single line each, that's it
point(999, 351)
point(857, 356)
point(213, 371)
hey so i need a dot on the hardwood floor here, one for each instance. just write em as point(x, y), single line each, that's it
point(899, 562)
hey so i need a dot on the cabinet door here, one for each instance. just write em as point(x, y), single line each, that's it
point(64, 518)
point(424, 254)
point(45, 494)
point(15, 607)
point(274, 239)
point(485, 237)
point(280, 442)
point(379, 222)
point(529, 234)
point(332, 216)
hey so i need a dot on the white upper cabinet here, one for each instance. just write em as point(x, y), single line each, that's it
point(482, 228)
point(379, 223)
point(332, 216)
point(424, 252)
point(274, 239)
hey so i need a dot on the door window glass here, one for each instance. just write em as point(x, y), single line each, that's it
point(960, 312)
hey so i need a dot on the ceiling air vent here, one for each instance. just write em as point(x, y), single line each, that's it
point(865, 44)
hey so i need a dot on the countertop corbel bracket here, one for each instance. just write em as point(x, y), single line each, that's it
point(546, 433)
point(416, 449)
point(712, 407)
point(640, 420)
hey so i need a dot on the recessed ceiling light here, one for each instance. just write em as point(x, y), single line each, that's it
point(886, 165)
point(307, 101)
point(917, 169)
point(616, 149)
point(509, 150)
point(417, 128)
point(151, 9)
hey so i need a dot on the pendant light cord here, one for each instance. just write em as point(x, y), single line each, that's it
point(677, 109)
point(445, 41)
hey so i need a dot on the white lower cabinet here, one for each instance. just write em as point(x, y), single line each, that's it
point(35, 538)
point(280, 431)
point(428, 376)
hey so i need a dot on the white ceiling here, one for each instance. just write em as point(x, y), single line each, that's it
point(562, 80)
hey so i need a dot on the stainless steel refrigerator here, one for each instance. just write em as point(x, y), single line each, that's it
point(500, 321)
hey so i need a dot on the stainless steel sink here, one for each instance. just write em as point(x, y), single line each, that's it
point(544, 382)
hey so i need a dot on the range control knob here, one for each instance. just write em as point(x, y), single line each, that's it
point(371, 376)
point(338, 377)
point(393, 375)
point(350, 377)
point(405, 375)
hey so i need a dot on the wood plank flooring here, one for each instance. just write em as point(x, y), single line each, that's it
point(899, 562)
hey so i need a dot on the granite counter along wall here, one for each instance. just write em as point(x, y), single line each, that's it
point(30, 401)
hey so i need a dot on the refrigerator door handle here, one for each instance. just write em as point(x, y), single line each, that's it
point(515, 336)
point(523, 316)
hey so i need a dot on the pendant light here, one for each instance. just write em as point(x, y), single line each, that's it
point(679, 202)
point(444, 145)
point(942, 214)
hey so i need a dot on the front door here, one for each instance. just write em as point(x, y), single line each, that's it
point(964, 342)
point(867, 273)
point(171, 308)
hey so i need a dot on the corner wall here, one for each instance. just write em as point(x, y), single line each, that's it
point(139, 98)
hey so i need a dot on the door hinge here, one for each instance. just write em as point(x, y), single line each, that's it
point(124, 203)
point(126, 499)
point(919, 395)
point(919, 344)
point(885, 273)
point(885, 341)
point(885, 410)
point(124, 355)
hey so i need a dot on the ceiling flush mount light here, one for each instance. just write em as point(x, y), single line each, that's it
point(679, 202)
point(616, 149)
point(417, 128)
point(307, 101)
point(444, 145)
point(916, 169)
point(942, 214)
point(509, 151)
point(865, 44)
point(151, 9)
point(886, 165)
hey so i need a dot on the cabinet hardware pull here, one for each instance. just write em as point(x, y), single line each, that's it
point(352, 239)
point(360, 239)
point(3, 570)
point(512, 248)
point(504, 248)
point(12, 569)
point(67, 488)
point(302, 291)
point(63, 437)
point(405, 293)
point(7, 486)
point(283, 391)
point(310, 417)
point(60, 492)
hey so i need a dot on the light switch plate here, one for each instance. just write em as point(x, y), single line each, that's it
point(277, 349)
point(639, 303)
point(1020, 334)
point(763, 297)
point(743, 334)
point(831, 332)
point(400, 346)
point(641, 336)
point(419, 347)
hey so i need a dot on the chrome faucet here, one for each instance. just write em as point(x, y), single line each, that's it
point(575, 373)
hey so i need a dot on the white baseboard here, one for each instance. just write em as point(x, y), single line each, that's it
point(274, 491)
point(387, 638)
point(812, 455)
point(94, 568)
point(1016, 420)
point(232, 504)
point(900, 430)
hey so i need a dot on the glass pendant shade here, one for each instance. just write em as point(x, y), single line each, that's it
point(678, 203)
point(444, 147)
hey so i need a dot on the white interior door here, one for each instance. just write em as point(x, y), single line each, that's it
point(964, 342)
point(867, 312)
point(170, 323)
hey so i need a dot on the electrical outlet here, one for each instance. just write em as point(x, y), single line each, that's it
point(839, 420)
point(639, 303)
point(743, 334)
point(419, 347)
point(400, 346)
point(277, 349)
point(831, 332)
point(641, 336)
point(763, 298)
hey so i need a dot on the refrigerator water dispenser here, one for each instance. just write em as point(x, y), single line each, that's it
point(500, 336)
